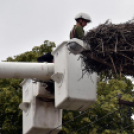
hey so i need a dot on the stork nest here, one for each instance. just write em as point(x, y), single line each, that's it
point(112, 48)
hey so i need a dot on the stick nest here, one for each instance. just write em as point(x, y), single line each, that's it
point(112, 48)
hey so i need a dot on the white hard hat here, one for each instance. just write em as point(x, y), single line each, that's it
point(83, 16)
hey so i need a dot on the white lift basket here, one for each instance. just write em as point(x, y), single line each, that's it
point(39, 117)
point(71, 91)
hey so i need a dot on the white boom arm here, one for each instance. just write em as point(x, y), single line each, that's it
point(41, 71)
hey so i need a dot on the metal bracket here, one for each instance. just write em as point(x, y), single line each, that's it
point(57, 77)
point(24, 106)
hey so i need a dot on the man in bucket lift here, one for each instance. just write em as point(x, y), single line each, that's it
point(81, 21)
point(76, 44)
point(77, 32)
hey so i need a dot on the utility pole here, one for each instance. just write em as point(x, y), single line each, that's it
point(126, 103)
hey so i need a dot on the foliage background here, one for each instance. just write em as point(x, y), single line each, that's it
point(88, 122)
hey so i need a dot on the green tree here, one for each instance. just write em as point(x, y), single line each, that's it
point(11, 93)
point(31, 56)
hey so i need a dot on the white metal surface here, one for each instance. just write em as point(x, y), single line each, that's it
point(72, 91)
point(76, 46)
point(42, 71)
point(39, 117)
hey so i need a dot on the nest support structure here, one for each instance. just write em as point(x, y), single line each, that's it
point(112, 49)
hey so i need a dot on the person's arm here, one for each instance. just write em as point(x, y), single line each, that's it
point(79, 32)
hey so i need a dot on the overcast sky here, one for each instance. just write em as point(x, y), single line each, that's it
point(27, 23)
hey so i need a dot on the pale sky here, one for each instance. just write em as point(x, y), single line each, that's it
point(27, 23)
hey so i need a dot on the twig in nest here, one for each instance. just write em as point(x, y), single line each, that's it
point(113, 64)
point(125, 56)
point(116, 43)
